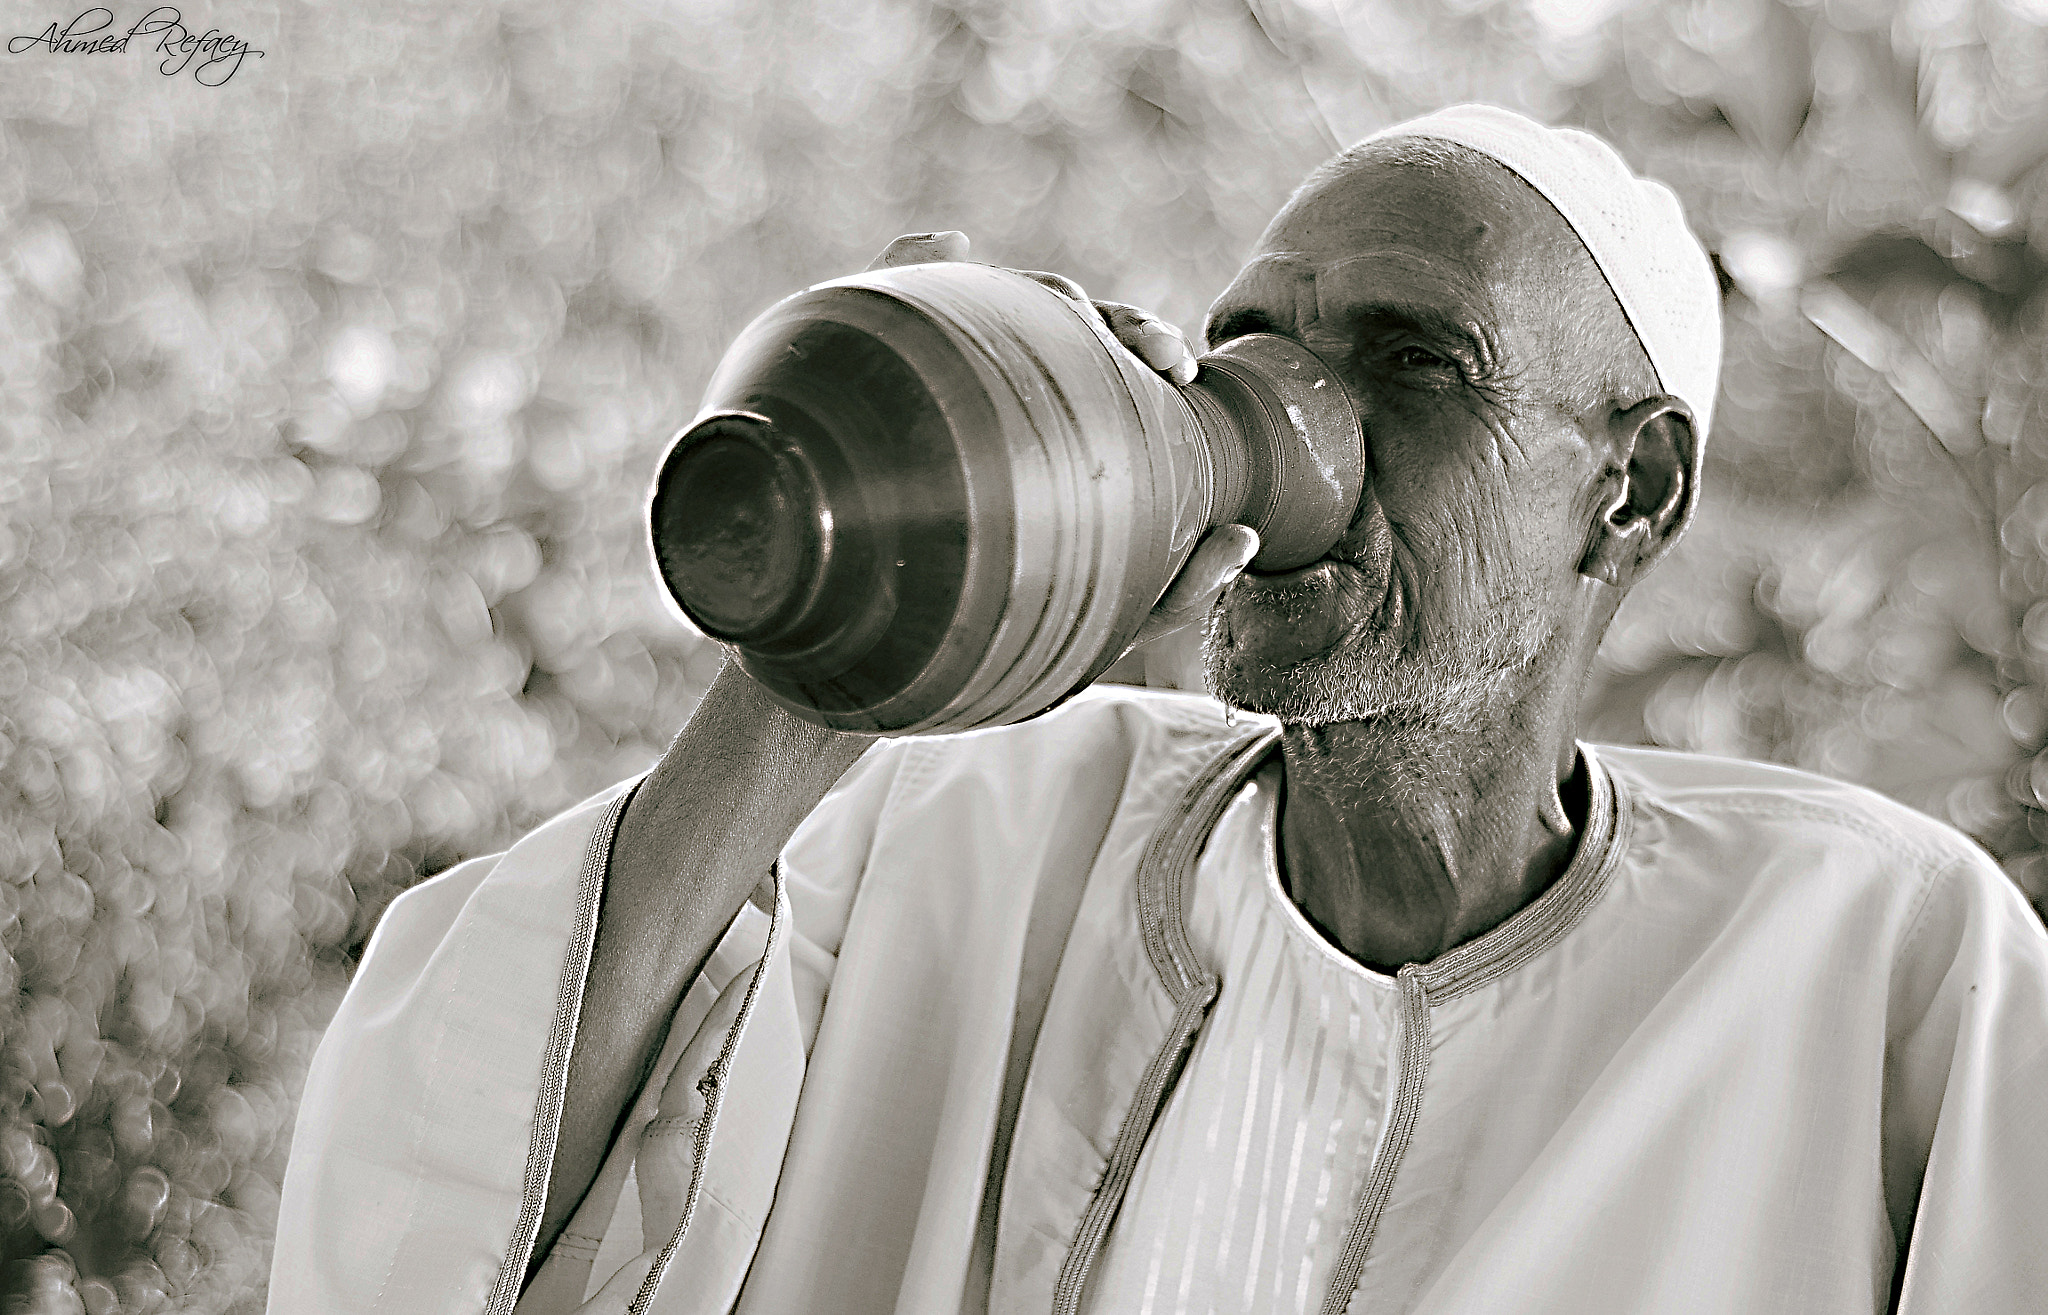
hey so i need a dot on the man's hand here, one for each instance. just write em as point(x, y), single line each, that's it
point(1223, 552)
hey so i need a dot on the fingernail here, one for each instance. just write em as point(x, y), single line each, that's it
point(1184, 371)
point(1160, 352)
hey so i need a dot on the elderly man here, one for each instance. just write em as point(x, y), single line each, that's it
point(1391, 996)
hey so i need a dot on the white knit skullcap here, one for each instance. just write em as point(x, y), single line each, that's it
point(1632, 226)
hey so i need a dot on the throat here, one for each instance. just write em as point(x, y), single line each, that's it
point(1400, 849)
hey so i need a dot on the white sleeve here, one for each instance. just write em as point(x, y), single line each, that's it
point(1966, 1158)
point(410, 1156)
point(428, 1109)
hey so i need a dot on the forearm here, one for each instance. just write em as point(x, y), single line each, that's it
point(698, 836)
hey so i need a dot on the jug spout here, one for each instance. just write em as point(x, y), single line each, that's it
point(1286, 444)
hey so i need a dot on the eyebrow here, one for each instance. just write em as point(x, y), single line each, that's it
point(1429, 323)
point(1461, 337)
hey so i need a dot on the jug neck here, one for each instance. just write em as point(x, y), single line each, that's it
point(1285, 448)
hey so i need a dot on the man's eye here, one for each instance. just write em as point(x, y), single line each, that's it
point(1412, 357)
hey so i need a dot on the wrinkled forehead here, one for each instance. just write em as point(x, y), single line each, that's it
point(1471, 244)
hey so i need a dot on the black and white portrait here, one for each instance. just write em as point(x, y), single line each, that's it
point(974, 657)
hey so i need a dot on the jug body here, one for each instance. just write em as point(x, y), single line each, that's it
point(941, 497)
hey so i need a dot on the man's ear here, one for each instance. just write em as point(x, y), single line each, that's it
point(1657, 448)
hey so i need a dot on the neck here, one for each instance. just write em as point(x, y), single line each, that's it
point(1403, 840)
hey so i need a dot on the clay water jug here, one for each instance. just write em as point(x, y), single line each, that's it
point(941, 497)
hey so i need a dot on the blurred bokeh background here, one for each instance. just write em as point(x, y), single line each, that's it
point(328, 396)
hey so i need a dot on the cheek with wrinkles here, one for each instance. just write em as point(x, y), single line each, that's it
point(1467, 552)
point(1462, 483)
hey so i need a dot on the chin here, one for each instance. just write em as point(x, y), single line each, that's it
point(1363, 684)
point(1317, 692)
point(1316, 645)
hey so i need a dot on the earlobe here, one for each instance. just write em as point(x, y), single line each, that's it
point(1656, 443)
point(1615, 547)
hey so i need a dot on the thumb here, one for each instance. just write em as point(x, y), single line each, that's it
point(1218, 559)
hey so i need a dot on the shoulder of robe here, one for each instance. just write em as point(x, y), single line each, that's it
point(1778, 798)
point(1129, 718)
point(1108, 738)
point(1128, 723)
point(1731, 808)
point(415, 920)
point(1110, 749)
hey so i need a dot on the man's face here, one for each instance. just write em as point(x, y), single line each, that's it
point(1442, 303)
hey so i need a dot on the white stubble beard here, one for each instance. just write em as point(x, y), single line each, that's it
point(1436, 696)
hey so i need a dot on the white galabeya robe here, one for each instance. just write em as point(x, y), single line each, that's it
point(1014, 1032)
